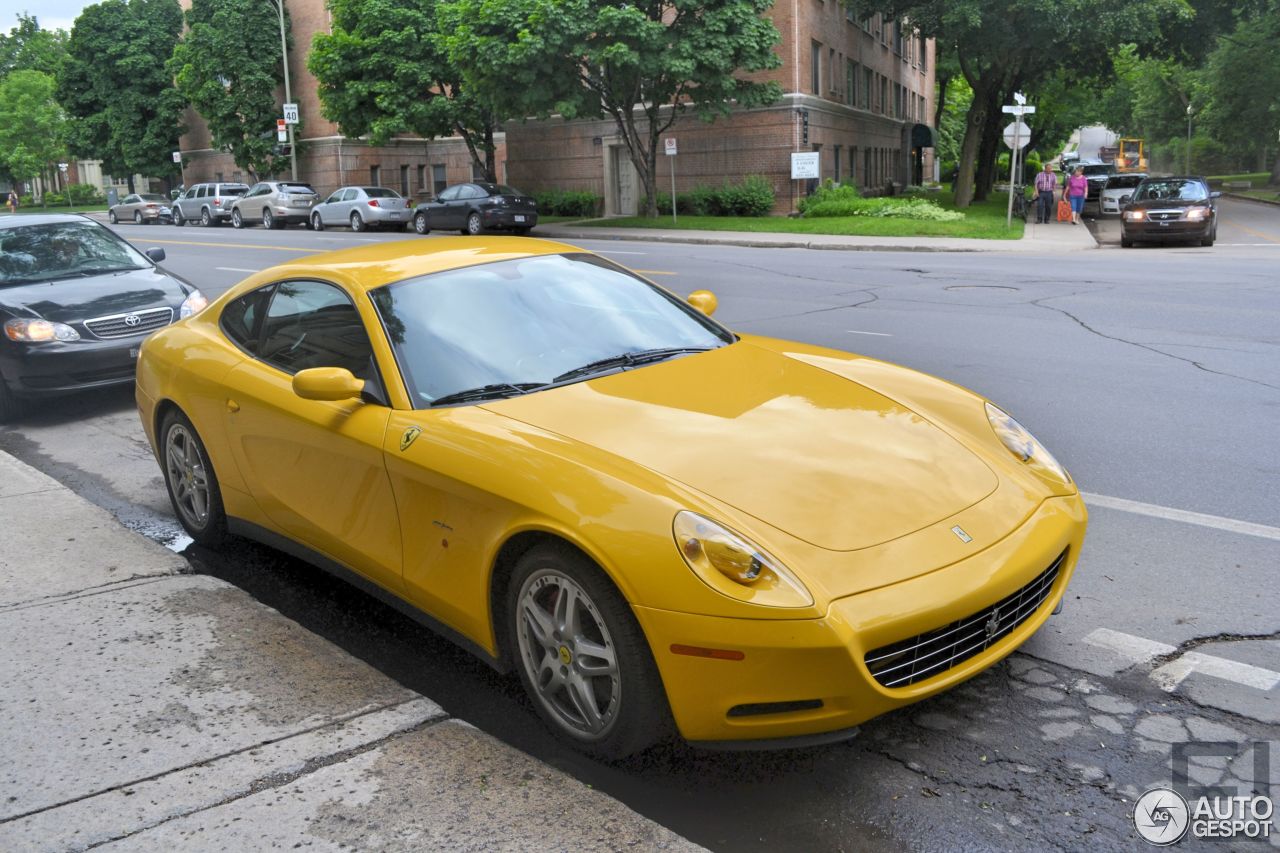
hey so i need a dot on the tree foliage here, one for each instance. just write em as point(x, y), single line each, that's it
point(28, 47)
point(384, 71)
point(125, 110)
point(642, 64)
point(31, 124)
point(228, 66)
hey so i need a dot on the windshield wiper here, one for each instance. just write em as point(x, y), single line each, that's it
point(627, 359)
point(495, 391)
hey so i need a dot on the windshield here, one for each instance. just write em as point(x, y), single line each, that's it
point(234, 190)
point(527, 321)
point(1098, 169)
point(380, 192)
point(33, 253)
point(1172, 189)
point(154, 197)
point(295, 188)
point(1124, 182)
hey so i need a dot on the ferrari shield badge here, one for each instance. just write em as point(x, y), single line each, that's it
point(410, 436)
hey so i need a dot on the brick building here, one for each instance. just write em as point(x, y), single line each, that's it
point(855, 91)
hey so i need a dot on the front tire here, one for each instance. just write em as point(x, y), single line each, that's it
point(317, 224)
point(10, 406)
point(237, 219)
point(581, 655)
point(1126, 243)
point(420, 224)
point(178, 221)
point(111, 217)
point(191, 481)
point(474, 227)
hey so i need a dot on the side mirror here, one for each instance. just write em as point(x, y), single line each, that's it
point(704, 300)
point(1215, 194)
point(156, 255)
point(327, 383)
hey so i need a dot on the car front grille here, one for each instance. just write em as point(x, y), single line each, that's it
point(925, 655)
point(121, 326)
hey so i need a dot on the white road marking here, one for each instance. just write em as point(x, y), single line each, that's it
point(877, 334)
point(1140, 650)
point(1127, 646)
point(233, 269)
point(1217, 522)
point(1169, 676)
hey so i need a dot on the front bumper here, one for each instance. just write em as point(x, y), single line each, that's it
point(1169, 229)
point(51, 368)
point(807, 677)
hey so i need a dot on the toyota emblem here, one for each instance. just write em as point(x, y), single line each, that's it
point(132, 320)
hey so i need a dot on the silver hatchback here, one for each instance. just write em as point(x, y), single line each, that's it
point(361, 208)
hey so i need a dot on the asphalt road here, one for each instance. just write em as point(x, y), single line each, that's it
point(1153, 374)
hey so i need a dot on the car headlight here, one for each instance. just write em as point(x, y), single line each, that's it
point(1196, 214)
point(36, 331)
point(734, 566)
point(1023, 444)
point(193, 304)
point(1135, 215)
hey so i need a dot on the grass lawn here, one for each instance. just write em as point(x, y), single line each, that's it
point(548, 220)
point(35, 208)
point(1265, 195)
point(1259, 179)
point(985, 220)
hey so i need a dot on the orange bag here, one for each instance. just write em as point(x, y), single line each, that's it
point(1064, 210)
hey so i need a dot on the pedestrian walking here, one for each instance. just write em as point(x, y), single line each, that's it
point(1077, 186)
point(1046, 183)
point(12, 202)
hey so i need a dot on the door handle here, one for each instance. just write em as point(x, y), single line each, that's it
point(232, 406)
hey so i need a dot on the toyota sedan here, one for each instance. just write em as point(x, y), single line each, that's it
point(661, 525)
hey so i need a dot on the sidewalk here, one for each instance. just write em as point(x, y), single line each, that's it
point(1045, 239)
point(148, 709)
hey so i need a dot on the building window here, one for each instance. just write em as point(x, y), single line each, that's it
point(832, 76)
point(217, 176)
point(236, 178)
point(853, 165)
point(375, 176)
point(884, 95)
point(897, 38)
point(924, 55)
point(815, 67)
point(422, 178)
point(404, 181)
point(438, 183)
point(851, 82)
point(866, 89)
point(836, 174)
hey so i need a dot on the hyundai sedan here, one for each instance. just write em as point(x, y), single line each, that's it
point(1164, 210)
point(661, 525)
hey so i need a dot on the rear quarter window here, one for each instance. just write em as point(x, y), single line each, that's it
point(242, 318)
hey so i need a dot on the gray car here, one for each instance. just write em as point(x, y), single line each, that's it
point(140, 209)
point(361, 208)
point(207, 203)
point(275, 204)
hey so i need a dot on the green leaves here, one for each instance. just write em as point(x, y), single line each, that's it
point(31, 123)
point(229, 66)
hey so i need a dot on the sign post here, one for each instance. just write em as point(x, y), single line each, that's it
point(182, 169)
point(1016, 136)
point(669, 148)
point(804, 166)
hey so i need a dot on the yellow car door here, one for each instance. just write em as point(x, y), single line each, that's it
point(316, 467)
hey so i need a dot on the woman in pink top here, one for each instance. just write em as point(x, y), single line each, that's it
point(1074, 191)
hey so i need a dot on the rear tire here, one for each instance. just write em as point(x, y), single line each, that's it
point(137, 217)
point(207, 220)
point(357, 223)
point(191, 481)
point(474, 226)
point(581, 655)
point(268, 220)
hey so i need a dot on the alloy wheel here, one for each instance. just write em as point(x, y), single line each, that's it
point(473, 224)
point(317, 224)
point(420, 224)
point(568, 653)
point(188, 476)
point(357, 223)
point(137, 217)
point(206, 218)
point(268, 221)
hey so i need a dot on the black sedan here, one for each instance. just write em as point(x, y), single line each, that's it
point(475, 208)
point(75, 303)
point(1168, 209)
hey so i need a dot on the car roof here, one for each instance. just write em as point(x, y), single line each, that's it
point(42, 219)
point(366, 268)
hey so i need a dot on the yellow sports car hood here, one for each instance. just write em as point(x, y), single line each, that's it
point(823, 458)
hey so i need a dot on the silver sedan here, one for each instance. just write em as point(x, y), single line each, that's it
point(361, 208)
point(141, 208)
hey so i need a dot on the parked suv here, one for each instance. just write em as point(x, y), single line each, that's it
point(275, 204)
point(209, 204)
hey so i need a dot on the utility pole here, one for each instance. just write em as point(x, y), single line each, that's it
point(1188, 169)
point(288, 93)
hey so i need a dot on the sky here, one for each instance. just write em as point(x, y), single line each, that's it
point(52, 14)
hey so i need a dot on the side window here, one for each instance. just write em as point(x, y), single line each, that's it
point(240, 318)
point(202, 191)
point(349, 195)
point(448, 195)
point(472, 191)
point(313, 324)
point(337, 196)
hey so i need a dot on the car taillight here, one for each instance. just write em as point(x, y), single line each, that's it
point(152, 206)
point(373, 202)
point(217, 202)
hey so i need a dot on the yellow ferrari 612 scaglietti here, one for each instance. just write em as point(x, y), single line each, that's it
point(661, 525)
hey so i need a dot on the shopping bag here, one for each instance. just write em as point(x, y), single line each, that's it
point(1064, 210)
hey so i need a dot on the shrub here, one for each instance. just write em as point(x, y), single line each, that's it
point(843, 200)
point(84, 194)
point(567, 202)
point(753, 197)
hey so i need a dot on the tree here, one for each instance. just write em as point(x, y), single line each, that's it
point(31, 124)
point(642, 64)
point(27, 47)
point(228, 67)
point(125, 110)
point(1243, 104)
point(383, 71)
